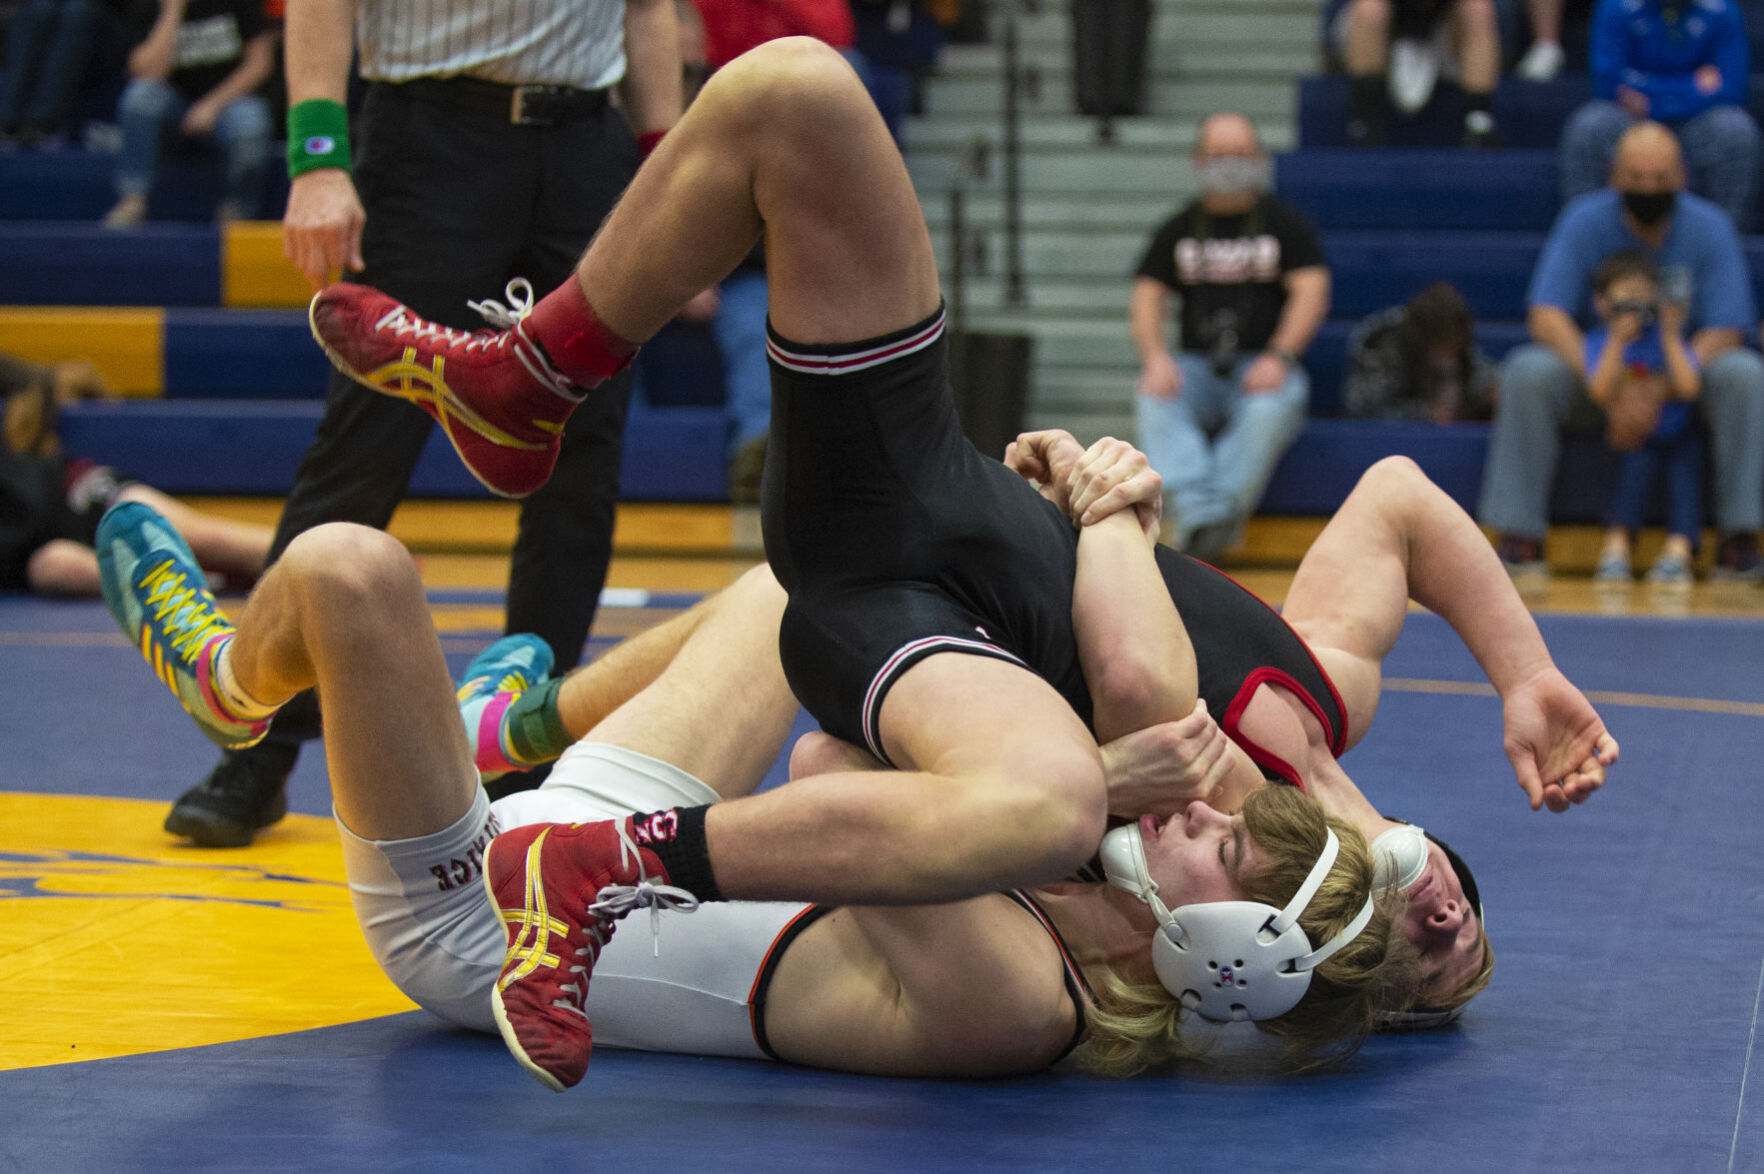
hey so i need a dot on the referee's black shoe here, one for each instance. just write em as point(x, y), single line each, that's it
point(245, 793)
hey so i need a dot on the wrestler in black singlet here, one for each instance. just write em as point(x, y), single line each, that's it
point(896, 538)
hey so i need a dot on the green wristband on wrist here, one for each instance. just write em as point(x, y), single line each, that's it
point(318, 136)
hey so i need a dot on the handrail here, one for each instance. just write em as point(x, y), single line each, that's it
point(1015, 79)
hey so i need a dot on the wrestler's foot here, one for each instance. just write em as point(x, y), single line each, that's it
point(495, 678)
point(559, 888)
point(160, 599)
point(497, 396)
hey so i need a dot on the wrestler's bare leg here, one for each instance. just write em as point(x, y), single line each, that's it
point(343, 609)
point(65, 567)
point(1004, 785)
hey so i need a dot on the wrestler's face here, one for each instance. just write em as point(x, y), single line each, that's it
point(1199, 855)
point(1444, 927)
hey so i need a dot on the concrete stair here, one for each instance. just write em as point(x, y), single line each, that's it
point(1088, 207)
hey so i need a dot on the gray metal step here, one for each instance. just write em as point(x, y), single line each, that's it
point(1267, 96)
point(1080, 170)
point(1056, 212)
point(1175, 136)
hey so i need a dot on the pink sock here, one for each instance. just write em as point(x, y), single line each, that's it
point(574, 338)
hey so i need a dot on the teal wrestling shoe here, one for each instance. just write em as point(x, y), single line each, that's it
point(160, 599)
point(494, 680)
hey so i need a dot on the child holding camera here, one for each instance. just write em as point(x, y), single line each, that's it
point(1644, 376)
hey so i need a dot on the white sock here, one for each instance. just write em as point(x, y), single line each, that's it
point(240, 703)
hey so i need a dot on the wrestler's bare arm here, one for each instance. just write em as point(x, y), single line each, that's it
point(970, 989)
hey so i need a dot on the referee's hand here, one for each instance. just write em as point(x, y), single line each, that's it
point(321, 231)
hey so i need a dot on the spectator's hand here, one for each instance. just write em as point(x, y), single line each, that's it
point(321, 231)
point(1047, 458)
point(1707, 79)
point(1161, 769)
point(1672, 316)
point(1633, 100)
point(1111, 476)
point(1160, 377)
point(1267, 373)
point(703, 306)
point(1556, 741)
point(200, 118)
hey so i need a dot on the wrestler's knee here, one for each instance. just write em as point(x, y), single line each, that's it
point(347, 563)
point(792, 87)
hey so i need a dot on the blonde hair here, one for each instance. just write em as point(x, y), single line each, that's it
point(1135, 1026)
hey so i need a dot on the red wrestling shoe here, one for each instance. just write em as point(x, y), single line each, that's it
point(494, 392)
point(560, 887)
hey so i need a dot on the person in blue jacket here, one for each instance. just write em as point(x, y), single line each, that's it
point(1685, 63)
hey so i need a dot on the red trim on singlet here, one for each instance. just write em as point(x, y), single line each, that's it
point(1337, 737)
point(1077, 989)
point(762, 978)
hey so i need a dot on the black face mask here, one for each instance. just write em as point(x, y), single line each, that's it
point(1649, 208)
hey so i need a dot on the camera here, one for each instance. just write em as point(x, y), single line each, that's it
point(1221, 331)
point(1645, 311)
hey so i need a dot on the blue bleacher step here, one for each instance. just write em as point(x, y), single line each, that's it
point(1326, 359)
point(76, 184)
point(1527, 114)
point(241, 354)
point(71, 264)
point(1317, 473)
point(253, 447)
point(1393, 188)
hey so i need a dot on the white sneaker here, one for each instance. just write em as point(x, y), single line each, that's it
point(1542, 62)
point(1414, 68)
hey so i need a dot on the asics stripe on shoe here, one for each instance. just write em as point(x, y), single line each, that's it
point(495, 394)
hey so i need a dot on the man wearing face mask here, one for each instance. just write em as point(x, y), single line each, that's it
point(1685, 64)
point(1215, 417)
point(1543, 383)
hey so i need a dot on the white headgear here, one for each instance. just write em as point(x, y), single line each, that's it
point(1399, 856)
point(1229, 960)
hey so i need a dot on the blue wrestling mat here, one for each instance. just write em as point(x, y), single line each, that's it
point(1618, 1034)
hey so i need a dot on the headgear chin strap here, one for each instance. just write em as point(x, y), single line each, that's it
point(1229, 960)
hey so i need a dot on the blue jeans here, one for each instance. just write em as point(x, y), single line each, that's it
point(47, 46)
point(1539, 392)
point(1722, 148)
point(740, 330)
point(151, 110)
point(1216, 446)
point(1681, 458)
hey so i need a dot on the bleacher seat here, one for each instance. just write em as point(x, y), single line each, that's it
point(253, 446)
point(1419, 188)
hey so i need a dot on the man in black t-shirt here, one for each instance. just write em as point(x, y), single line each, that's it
point(197, 65)
point(1215, 417)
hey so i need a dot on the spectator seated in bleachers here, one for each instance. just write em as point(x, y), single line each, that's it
point(1643, 374)
point(1543, 387)
point(199, 66)
point(1395, 51)
point(1419, 361)
point(50, 504)
point(1686, 65)
point(1215, 418)
point(48, 49)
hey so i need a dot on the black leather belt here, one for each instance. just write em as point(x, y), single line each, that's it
point(521, 105)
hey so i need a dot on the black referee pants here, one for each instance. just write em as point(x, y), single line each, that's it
point(458, 202)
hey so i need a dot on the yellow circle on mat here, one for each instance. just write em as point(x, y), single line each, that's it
point(116, 939)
